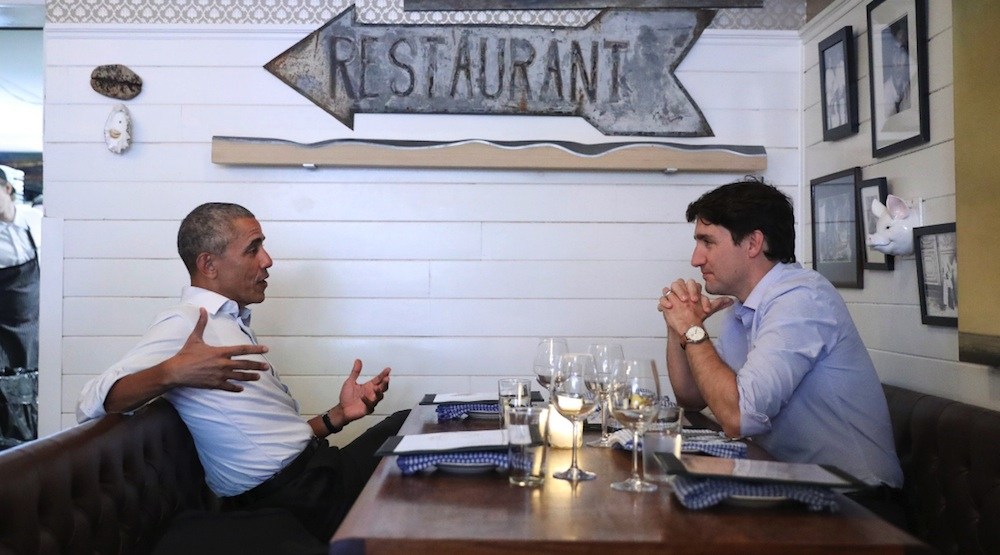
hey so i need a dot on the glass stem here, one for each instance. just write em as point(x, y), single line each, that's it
point(575, 423)
point(604, 419)
point(635, 455)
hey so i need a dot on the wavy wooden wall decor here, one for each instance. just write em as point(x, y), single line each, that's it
point(483, 154)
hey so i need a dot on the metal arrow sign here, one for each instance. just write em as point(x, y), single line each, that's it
point(617, 72)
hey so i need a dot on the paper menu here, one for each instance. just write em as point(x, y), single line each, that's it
point(440, 442)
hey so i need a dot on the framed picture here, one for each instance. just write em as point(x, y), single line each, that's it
point(838, 85)
point(937, 274)
point(897, 69)
point(835, 240)
point(869, 190)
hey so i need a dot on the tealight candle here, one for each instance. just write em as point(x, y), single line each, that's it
point(560, 429)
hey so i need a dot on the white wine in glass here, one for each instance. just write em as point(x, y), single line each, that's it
point(573, 399)
point(635, 391)
point(600, 382)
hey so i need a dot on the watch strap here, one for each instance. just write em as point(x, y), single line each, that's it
point(330, 428)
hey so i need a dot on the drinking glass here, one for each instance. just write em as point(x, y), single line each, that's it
point(600, 382)
point(547, 359)
point(526, 446)
point(512, 392)
point(573, 399)
point(664, 434)
point(635, 391)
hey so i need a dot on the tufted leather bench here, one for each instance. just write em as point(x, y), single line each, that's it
point(129, 485)
point(950, 454)
point(112, 485)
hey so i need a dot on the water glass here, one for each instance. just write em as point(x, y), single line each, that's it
point(663, 435)
point(526, 446)
point(512, 392)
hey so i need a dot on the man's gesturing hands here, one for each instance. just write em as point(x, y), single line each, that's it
point(357, 400)
point(198, 364)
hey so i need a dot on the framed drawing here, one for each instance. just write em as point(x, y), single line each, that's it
point(937, 274)
point(838, 85)
point(869, 190)
point(897, 69)
point(835, 241)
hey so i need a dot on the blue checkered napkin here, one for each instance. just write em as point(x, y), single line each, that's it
point(729, 450)
point(411, 464)
point(699, 493)
point(455, 411)
point(724, 449)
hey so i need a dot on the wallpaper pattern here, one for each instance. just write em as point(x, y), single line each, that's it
point(775, 15)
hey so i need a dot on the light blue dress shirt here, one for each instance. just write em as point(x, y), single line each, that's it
point(808, 389)
point(242, 438)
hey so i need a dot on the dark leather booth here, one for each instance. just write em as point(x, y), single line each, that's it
point(950, 454)
point(111, 485)
point(129, 485)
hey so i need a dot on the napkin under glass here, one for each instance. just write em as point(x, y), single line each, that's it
point(717, 448)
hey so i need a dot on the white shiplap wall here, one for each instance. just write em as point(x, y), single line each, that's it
point(906, 352)
point(447, 276)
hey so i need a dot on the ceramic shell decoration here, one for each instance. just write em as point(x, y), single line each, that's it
point(118, 130)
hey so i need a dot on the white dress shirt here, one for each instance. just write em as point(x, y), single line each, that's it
point(242, 438)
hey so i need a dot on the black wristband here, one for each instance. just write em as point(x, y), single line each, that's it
point(330, 428)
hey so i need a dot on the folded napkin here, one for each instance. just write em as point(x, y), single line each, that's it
point(411, 464)
point(717, 448)
point(455, 411)
point(699, 493)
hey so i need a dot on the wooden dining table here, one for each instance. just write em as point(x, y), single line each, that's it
point(439, 513)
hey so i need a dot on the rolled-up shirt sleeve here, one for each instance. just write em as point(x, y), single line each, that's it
point(794, 330)
point(161, 341)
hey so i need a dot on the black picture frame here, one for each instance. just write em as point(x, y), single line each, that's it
point(867, 191)
point(836, 241)
point(838, 85)
point(897, 70)
point(937, 273)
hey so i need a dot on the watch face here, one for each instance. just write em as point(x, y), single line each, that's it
point(695, 334)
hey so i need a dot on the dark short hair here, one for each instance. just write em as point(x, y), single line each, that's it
point(208, 228)
point(748, 205)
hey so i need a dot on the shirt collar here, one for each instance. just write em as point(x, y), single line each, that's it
point(759, 290)
point(214, 303)
point(744, 311)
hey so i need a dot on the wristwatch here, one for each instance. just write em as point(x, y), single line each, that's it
point(694, 335)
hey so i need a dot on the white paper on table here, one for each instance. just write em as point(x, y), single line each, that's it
point(465, 397)
point(451, 441)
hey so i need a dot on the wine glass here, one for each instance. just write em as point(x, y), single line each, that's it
point(574, 399)
point(635, 390)
point(547, 359)
point(600, 382)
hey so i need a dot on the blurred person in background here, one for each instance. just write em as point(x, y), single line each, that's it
point(20, 241)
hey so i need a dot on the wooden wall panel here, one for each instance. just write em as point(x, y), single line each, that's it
point(448, 276)
point(906, 352)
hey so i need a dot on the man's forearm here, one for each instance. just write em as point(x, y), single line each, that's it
point(717, 383)
point(679, 371)
point(135, 390)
